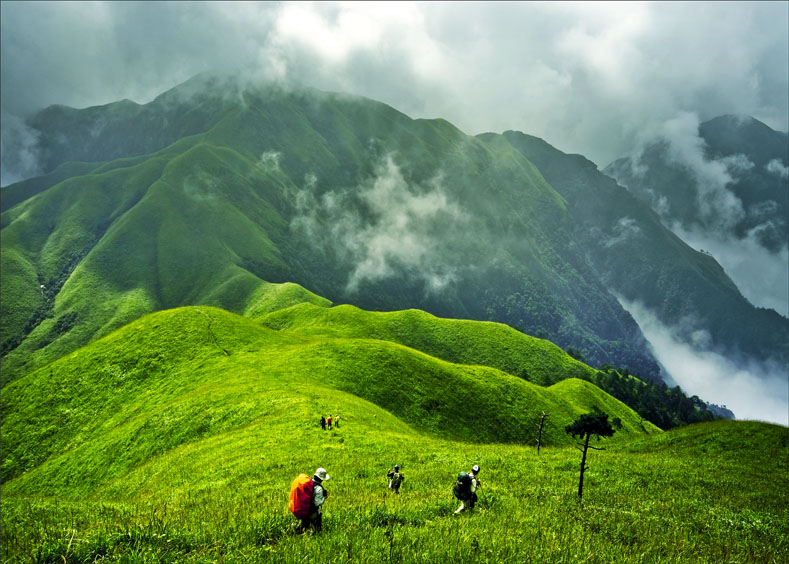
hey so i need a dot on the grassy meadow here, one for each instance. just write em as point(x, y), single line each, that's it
point(175, 439)
point(225, 500)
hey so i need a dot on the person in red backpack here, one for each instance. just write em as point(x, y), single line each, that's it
point(319, 495)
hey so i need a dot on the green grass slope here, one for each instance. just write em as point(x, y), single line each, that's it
point(454, 340)
point(125, 395)
point(179, 228)
point(175, 438)
point(18, 192)
point(225, 499)
point(198, 199)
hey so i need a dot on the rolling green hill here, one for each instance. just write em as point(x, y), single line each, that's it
point(454, 340)
point(175, 438)
point(220, 189)
point(186, 374)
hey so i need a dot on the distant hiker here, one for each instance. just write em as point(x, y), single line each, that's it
point(323, 422)
point(306, 499)
point(328, 420)
point(395, 478)
point(465, 489)
point(337, 421)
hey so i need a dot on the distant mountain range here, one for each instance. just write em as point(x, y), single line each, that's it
point(745, 160)
point(218, 188)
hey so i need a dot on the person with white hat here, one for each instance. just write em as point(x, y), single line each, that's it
point(466, 489)
point(318, 498)
point(319, 495)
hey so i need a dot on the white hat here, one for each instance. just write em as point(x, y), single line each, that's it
point(475, 469)
point(321, 473)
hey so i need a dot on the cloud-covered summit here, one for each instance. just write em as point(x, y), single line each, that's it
point(590, 78)
point(720, 185)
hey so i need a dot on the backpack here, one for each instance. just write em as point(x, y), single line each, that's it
point(462, 487)
point(396, 479)
point(300, 500)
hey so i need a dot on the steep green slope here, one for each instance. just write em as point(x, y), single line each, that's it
point(746, 152)
point(13, 194)
point(187, 374)
point(239, 185)
point(129, 240)
point(644, 262)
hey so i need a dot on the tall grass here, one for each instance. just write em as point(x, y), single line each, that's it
point(644, 502)
point(175, 439)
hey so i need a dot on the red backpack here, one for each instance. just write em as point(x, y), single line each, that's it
point(300, 501)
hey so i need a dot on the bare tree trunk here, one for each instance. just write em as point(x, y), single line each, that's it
point(539, 436)
point(583, 468)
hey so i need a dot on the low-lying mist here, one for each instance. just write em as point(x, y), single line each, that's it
point(752, 390)
point(761, 275)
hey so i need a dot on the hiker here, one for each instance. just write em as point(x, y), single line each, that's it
point(337, 421)
point(328, 420)
point(466, 489)
point(307, 498)
point(323, 422)
point(395, 478)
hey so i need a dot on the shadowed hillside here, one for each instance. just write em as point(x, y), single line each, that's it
point(643, 261)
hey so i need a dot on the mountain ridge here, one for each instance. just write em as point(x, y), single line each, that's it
point(319, 183)
point(285, 174)
point(686, 276)
point(172, 357)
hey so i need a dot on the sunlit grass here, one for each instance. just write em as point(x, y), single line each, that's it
point(216, 501)
point(176, 439)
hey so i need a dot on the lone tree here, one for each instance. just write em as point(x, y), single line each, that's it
point(540, 427)
point(588, 425)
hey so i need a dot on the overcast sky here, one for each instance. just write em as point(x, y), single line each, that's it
point(587, 77)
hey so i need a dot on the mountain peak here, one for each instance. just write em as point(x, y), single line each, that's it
point(740, 134)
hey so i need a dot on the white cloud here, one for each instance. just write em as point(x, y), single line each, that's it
point(626, 228)
point(331, 38)
point(751, 390)
point(269, 161)
point(777, 168)
point(718, 206)
point(590, 78)
point(395, 232)
point(19, 150)
point(761, 275)
point(737, 164)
